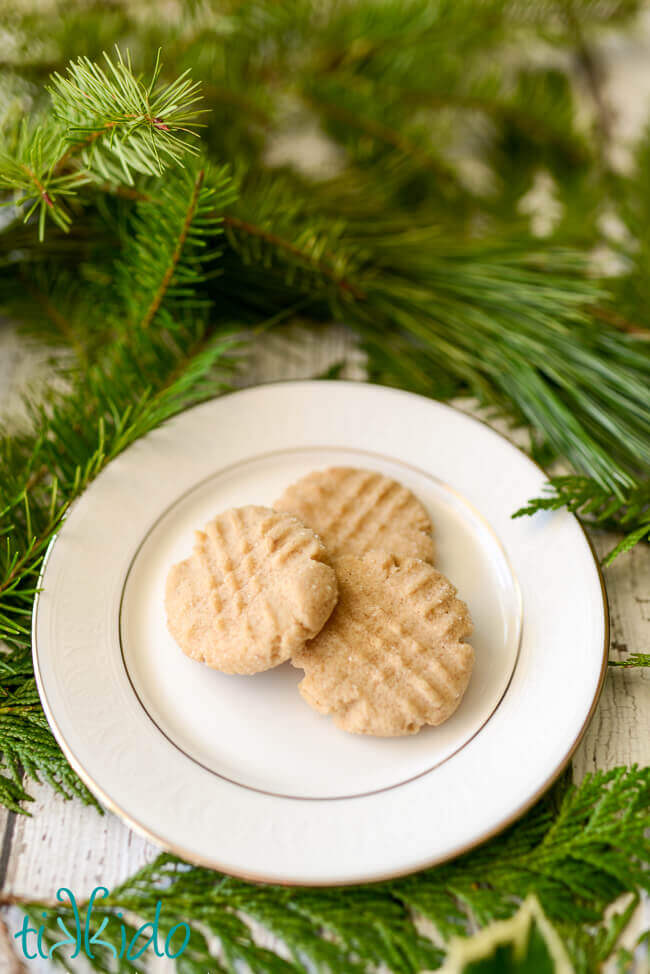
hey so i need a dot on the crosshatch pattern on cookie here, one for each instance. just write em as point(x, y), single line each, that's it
point(392, 657)
point(255, 588)
point(356, 511)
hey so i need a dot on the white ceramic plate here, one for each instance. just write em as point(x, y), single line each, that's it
point(238, 772)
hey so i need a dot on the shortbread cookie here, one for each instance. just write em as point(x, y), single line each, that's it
point(256, 587)
point(391, 657)
point(355, 511)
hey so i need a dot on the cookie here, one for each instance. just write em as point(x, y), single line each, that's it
point(256, 587)
point(391, 658)
point(355, 511)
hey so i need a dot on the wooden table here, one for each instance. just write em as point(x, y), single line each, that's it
point(65, 843)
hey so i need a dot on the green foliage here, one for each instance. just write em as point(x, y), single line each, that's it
point(160, 353)
point(121, 125)
point(158, 257)
point(29, 167)
point(579, 848)
point(183, 217)
point(26, 743)
point(634, 659)
point(103, 125)
point(625, 508)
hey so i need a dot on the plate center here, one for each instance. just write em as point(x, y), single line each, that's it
point(257, 731)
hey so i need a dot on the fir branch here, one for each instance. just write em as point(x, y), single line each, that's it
point(103, 126)
point(580, 848)
point(167, 357)
point(27, 746)
point(120, 125)
point(184, 214)
point(88, 427)
point(28, 163)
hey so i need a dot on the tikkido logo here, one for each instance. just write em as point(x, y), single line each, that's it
point(79, 937)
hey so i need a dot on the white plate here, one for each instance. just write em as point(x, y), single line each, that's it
point(238, 772)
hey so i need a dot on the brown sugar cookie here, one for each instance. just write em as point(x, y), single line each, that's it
point(355, 511)
point(391, 657)
point(256, 587)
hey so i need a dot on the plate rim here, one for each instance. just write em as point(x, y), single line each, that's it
point(208, 861)
point(375, 456)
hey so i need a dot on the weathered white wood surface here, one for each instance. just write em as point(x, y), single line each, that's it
point(64, 843)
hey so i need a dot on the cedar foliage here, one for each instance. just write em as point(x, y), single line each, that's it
point(577, 850)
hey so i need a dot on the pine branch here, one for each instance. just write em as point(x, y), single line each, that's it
point(579, 849)
point(512, 329)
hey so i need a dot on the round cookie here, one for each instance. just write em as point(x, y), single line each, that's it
point(256, 587)
point(355, 511)
point(391, 657)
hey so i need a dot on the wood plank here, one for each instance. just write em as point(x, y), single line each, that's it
point(620, 730)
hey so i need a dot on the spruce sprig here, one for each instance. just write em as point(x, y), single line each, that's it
point(579, 849)
point(103, 125)
point(161, 353)
point(119, 125)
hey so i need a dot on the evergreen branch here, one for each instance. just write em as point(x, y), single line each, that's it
point(167, 359)
point(114, 413)
point(580, 848)
point(628, 510)
point(634, 659)
point(120, 125)
point(185, 216)
point(104, 125)
point(513, 329)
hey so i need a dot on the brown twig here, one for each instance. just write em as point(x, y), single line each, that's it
point(75, 147)
point(39, 185)
point(618, 321)
point(178, 250)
